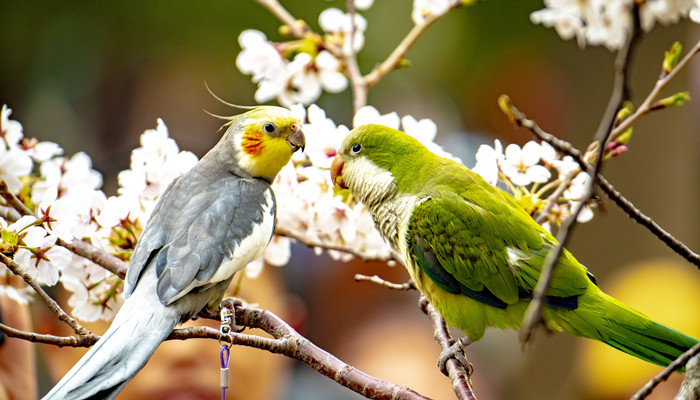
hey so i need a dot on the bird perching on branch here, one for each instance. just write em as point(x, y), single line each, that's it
point(207, 225)
point(475, 254)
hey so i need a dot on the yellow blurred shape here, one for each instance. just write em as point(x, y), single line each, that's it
point(667, 291)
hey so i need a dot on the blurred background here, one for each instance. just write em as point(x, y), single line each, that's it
point(92, 76)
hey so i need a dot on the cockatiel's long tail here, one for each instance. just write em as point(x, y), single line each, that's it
point(122, 351)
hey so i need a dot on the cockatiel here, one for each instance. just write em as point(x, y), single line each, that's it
point(207, 225)
point(475, 254)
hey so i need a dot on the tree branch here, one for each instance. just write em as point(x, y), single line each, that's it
point(518, 118)
point(96, 255)
point(458, 375)
point(62, 315)
point(297, 27)
point(13, 201)
point(661, 84)
point(280, 231)
point(533, 314)
point(663, 375)
point(381, 282)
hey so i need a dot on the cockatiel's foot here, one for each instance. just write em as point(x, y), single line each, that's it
point(232, 303)
point(457, 352)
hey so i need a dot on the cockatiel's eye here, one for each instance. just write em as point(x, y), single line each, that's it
point(269, 127)
point(356, 148)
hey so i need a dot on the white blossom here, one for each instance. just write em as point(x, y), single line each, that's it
point(426, 8)
point(487, 161)
point(300, 80)
point(10, 130)
point(39, 257)
point(14, 163)
point(341, 27)
point(521, 165)
point(608, 22)
point(370, 115)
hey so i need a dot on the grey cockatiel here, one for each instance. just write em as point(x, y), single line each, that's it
point(209, 224)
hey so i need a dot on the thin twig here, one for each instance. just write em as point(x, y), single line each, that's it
point(663, 375)
point(280, 231)
point(13, 201)
point(459, 377)
point(83, 340)
point(393, 61)
point(564, 184)
point(660, 85)
point(519, 118)
point(96, 255)
point(381, 282)
point(297, 27)
point(62, 315)
point(533, 314)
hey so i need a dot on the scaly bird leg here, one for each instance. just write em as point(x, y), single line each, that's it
point(456, 351)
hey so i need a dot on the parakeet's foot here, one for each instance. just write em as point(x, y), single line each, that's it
point(457, 352)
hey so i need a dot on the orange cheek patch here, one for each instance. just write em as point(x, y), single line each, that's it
point(252, 142)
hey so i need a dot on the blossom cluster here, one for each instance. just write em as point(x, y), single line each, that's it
point(608, 22)
point(68, 203)
point(532, 173)
point(298, 71)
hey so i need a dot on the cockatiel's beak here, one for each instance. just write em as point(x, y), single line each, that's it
point(337, 172)
point(296, 139)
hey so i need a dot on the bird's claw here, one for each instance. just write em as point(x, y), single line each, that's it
point(456, 351)
point(232, 303)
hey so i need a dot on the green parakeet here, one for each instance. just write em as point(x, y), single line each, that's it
point(475, 254)
point(207, 225)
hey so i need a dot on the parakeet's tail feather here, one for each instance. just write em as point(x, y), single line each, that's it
point(604, 318)
point(121, 352)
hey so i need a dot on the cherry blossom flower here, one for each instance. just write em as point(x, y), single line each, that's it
point(10, 130)
point(487, 161)
point(39, 257)
point(521, 165)
point(14, 163)
point(340, 27)
point(608, 22)
point(425, 8)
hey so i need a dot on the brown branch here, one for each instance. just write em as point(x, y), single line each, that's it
point(533, 314)
point(690, 388)
point(663, 375)
point(294, 345)
point(381, 282)
point(285, 341)
point(280, 231)
point(62, 315)
point(83, 340)
point(661, 84)
point(297, 28)
point(96, 255)
point(459, 377)
point(518, 118)
point(13, 201)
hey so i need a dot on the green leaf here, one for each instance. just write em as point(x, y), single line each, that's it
point(677, 99)
point(671, 58)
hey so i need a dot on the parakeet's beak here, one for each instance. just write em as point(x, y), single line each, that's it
point(337, 172)
point(296, 140)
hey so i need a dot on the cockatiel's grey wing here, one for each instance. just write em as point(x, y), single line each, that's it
point(201, 235)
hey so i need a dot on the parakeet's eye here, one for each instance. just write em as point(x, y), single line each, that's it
point(269, 127)
point(356, 148)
